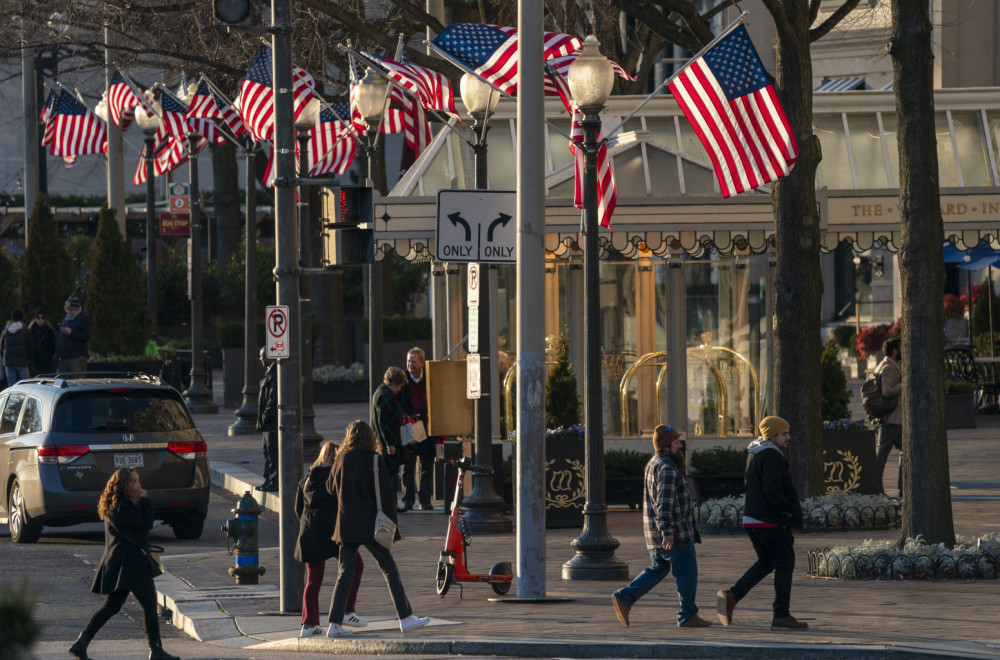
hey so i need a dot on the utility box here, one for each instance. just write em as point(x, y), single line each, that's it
point(344, 209)
point(449, 411)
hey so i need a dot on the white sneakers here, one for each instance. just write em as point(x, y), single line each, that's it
point(336, 630)
point(411, 622)
point(309, 631)
point(352, 619)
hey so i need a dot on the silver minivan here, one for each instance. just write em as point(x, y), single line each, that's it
point(61, 438)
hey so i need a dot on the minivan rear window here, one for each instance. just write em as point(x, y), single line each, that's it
point(129, 411)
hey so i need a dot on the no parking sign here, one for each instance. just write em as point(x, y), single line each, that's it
point(276, 323)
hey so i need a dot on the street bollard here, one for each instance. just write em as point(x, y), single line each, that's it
point(242, 529)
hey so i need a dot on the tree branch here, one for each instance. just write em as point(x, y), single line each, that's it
point(831, 22)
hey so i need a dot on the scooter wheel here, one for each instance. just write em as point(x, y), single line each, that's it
point(502, 568)
point(445, 573)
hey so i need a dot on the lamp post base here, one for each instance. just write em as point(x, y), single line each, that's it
point(245, 424)
point(199, 400)
point(485, 517)
point(595, 552)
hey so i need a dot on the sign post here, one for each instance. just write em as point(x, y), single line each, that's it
point(276, 324)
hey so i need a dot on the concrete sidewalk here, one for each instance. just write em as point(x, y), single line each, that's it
point(860, 619)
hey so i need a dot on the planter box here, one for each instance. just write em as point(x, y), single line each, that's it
point(565, 484)
point(960, 411)
point(340, 391)
point(714, 486)
point(624, 490)
point(849, 461)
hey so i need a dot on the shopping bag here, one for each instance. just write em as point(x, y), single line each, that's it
point(412, 431)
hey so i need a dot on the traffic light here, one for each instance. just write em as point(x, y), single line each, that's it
point(348, 205)
point(344, 208)
point(232, 12)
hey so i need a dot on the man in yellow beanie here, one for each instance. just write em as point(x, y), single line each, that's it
point(772, 509)
point(668, 527)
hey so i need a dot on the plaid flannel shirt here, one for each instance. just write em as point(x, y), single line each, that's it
point(667, 508)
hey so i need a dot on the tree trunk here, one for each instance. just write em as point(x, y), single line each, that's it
point(798, 282)
point(926, 490)
point(227, 202)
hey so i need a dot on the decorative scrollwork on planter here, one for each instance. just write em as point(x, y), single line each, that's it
point(981, 565)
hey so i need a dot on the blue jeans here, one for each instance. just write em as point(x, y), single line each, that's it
point(685, 566)
point(15, 374)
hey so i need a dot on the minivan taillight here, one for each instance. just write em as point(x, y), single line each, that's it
point(52, 455)
point(188, 450)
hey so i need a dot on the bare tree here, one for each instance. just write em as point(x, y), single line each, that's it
point(926, 489)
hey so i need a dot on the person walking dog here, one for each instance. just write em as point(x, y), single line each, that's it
point(668, 527)
point(128, 516)
point(772, 509)
point(316, 509)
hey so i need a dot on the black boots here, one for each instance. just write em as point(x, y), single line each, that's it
point(79, 648)
point(156, 652)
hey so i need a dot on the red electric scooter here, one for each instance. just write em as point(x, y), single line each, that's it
point(452, 563)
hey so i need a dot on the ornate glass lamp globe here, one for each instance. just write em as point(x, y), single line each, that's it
point(591, 76)
point(148, 123)
point(479, 99)
point(101, 109)
point(307, 119)
point(371, 97)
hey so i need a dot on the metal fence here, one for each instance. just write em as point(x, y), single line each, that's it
point(730, 515)
point(979, 564)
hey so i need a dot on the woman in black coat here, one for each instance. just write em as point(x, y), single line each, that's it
point(352, 483)
point(387, 417)
point(317, 511)
point(128, 516)
point(15, 348)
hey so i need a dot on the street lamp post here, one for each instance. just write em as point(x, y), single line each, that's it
point(246, 414)
point(149, 125)
point(482, 510)
point(590, 80)
point(371, 98)
point(305, 122)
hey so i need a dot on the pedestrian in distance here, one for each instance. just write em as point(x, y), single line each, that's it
point(43, 344)
point(352, 482)
point(267, 421)
point(772, 509)
point(316, 510)
point(889, 429)
point(418, 469)
point(387, 418)
point(127, 513)
point(73, 338)
point(15, 347)
point(668, 527)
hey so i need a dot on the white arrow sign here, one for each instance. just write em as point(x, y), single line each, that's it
point(477, 226)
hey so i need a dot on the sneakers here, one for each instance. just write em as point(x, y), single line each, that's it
point(426, 507)
point(694, 621)
point(724, 606)
point(621, 609)
point(352, 619)
point(336, 630)
point(411, 622)
point(309, 631)
point(788, 623)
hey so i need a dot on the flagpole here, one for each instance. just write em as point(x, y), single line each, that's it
point(706, 48)
point(464, 67)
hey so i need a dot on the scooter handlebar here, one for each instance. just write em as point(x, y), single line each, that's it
point(465, 464)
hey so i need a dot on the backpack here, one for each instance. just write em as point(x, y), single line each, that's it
point(875, 404)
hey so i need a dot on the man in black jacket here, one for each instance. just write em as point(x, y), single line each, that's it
point(267, 421)
point(772, 510)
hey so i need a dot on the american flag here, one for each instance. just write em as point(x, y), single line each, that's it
point(208, 104)
point(727, 96)
point(173, 117)
point(167, 156)
point(76, 130)
point(121, 99)
point(430, 87)
point(490, 51)
point(256, 103)
point(331, 146)
point(48, 114)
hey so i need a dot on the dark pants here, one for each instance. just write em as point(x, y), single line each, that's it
point(889, 436)
point(314, 581)
point(113, 604)
point(345, 578)
point(417, 483)
point(72, 365)
point(270, 459)
point(775, 552)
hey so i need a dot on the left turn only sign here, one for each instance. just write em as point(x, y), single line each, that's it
point(276, 323)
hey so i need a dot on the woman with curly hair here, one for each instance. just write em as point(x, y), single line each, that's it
point(352, 483)
point(128, 516)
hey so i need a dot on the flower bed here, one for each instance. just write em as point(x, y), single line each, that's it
point(916, 560)
point(841, 510)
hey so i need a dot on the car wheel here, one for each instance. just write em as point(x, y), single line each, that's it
point(189, 527)
point(22, 530)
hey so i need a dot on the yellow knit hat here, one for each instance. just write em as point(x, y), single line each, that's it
point(772, 426)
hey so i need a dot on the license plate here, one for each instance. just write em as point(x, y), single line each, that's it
point(128, 460)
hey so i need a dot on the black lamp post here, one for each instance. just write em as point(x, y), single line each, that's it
point(482, 510)
point(149, 125)
point(246, 414)
point(590, 80)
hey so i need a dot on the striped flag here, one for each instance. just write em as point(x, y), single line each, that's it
point(76, 130)
point(47, 115)
point(173, 117)
point(208, 104)
point(331, 145)
point(727, 96)
point(256, 103)
point(430, 87)
point(490, 51)
point(167, 156)
point(121, 99)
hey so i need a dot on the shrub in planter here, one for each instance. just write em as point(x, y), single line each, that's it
point(562, 402)
point(953, 386)
point(718, 461)
point(844, 335)
point(833, 383)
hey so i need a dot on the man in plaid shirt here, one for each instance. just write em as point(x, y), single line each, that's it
point(668, 526)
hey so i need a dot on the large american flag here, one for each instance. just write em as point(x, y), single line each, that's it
point(167, 155)
point(331, 145)
point(256, 103)
point(727, 96)
point(430, 87)
point(490, 51)
point(122, 99)
point(173, 117)
point(76, 130)
point(47, 115)
point(208, 104)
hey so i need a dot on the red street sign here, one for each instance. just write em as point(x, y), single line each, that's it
point(175, 224)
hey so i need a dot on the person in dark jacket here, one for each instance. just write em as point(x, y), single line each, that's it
point(352, 482)
point(73, 338)
point(43, 344)
point(128, 516)
point(15, 347)
point(417, 485)
point(387, 417)
point(267, 421)
point(316, 510)
point(772, 509)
